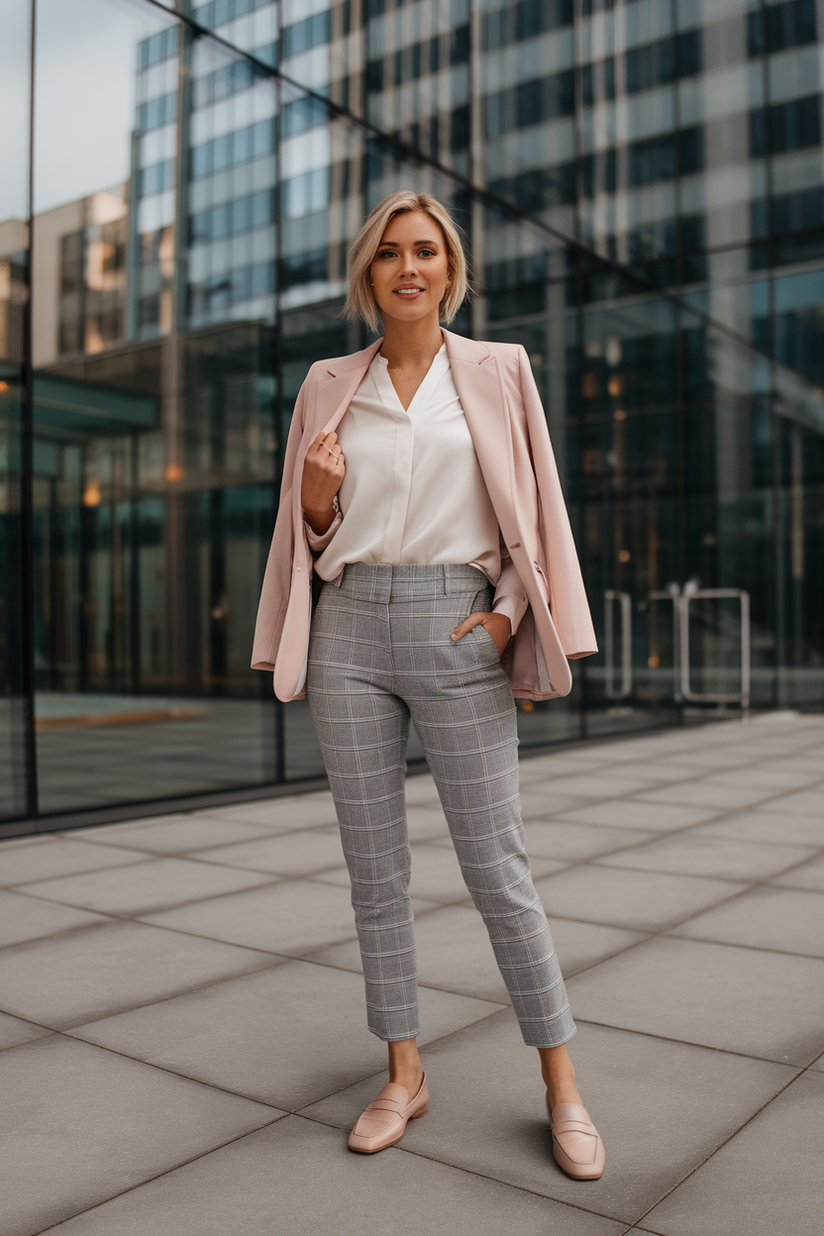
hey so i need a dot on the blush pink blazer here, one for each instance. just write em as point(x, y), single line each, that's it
point(508, 427)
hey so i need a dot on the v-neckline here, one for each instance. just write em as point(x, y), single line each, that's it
point(427, 383)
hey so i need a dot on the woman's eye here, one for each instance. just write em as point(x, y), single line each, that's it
point(426, 253)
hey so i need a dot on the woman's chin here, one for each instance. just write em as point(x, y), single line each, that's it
point(415, 311)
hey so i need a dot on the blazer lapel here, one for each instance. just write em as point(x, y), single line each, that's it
point(338, 384)
point(478, 383)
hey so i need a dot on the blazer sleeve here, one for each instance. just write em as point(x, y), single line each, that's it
point(277, 577)
point(567, 595)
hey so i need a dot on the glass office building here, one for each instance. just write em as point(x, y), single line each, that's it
point(640, 184)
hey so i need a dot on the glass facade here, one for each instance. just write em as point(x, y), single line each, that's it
point(640, 184)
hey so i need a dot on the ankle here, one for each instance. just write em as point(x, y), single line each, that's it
point(405, 1065)
point(410, 1077)
point(559, 1077)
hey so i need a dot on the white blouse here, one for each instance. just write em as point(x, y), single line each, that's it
point(413, 489)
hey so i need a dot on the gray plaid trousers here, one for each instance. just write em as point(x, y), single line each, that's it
point(379, 652)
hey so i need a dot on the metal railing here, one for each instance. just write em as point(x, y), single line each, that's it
point(681, 599)
point(624, 600)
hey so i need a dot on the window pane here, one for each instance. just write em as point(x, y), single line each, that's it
point(155, 401)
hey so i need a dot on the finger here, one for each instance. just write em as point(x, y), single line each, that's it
point(467, 625)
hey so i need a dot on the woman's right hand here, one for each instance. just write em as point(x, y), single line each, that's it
point(323, 472)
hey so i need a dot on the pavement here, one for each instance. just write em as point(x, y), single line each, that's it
point(183, 1038)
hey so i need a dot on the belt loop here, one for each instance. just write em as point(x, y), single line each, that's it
point(444, 579)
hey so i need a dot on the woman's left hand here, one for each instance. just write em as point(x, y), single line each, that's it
point(497, 626)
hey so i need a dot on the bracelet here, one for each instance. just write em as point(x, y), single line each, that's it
point(336, 505)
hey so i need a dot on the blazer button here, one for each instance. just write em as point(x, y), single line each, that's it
point(516, 545)
point(298, 568)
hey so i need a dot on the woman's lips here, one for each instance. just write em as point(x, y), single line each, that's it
point(408, 293)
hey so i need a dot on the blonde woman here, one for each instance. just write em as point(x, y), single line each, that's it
point(420, 485)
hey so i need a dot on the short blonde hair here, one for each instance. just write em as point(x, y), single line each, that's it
point(360, 302)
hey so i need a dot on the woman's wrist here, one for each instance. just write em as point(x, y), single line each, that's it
point(320, 519)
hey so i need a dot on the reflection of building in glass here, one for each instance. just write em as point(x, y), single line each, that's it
point(640, 185)
point(80, 278)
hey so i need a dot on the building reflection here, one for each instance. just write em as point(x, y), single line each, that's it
point(641, 193)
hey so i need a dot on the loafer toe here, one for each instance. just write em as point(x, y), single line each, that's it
point(384, 1121)
point(576, 1144)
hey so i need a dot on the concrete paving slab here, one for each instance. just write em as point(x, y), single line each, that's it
point(653, 770)
point(799, 763)
point(632, 1085)
point(11, 843)
point(173, 834)
point(630, 813)
point(13, 1030)
point(270, 1036)
point(808, 875)
point(540, 802)
point(788, 920)
point(772, 827)
point(596, 784)
point(155, 884)
point(290, 917)
point(805, 802)
point(321, 1187)
point(108, 832)
point(70, 979)
point(712, 995)
point(281, 814)
point(562, 763)
point(30, 918)
point(581, 945)
point(422, 791)
point(705, 793)
point(771, 775)
point(695, 989)
point(56, 856)
point(288, 854)
point(711, 758)
point(80, 1124)
point(569, 843)
point(639, 750)
point(639, 900)
point(426, 823)
point(766, 1180)
point(690, 854)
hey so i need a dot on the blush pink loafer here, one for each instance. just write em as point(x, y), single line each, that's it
point(383, 1122)
point(577, 1148)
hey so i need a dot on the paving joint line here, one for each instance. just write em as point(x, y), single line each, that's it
point(723, 1143)
point(159, 1176)
point(469, 1171)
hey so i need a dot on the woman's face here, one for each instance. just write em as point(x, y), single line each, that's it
point(410, 272)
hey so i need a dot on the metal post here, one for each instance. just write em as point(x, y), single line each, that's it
point(625, 689)
point(741, 697)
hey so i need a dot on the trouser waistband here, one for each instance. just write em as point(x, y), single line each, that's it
point(383, 582)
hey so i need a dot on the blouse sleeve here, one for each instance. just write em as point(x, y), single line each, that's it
point(317, 542)
point(510, 598)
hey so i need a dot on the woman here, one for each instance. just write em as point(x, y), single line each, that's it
point(420, 474)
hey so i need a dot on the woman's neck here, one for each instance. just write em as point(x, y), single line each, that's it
point(411, 345)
